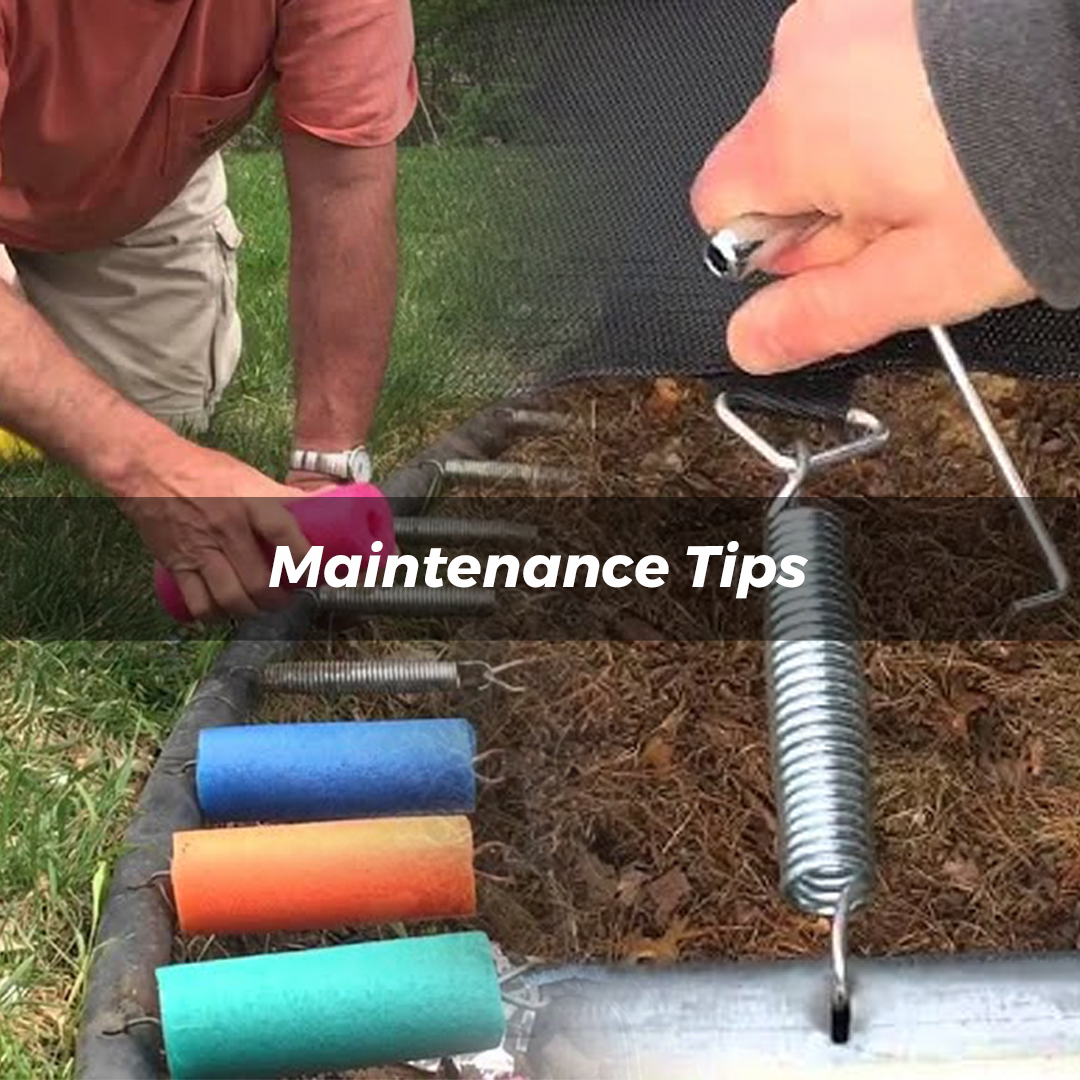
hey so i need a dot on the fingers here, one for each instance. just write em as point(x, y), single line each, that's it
point(196, 595)
point(229, 590)
point(232, 577)
point(745, 173)
point(214, 590)
point(836, 243)
point(272, 523)
point(838, 309)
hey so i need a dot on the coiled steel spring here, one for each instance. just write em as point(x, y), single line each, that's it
point(418, 600)
point(817, 700)
point(431, 530)
point(387, 675)
point(509, 471)
point(537, 420)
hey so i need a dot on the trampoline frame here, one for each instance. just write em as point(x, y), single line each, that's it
point(958, 1016)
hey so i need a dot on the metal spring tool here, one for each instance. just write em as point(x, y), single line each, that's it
point(817, 702)
point(746, 247)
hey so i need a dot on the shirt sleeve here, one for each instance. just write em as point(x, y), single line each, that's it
point(4, 79)
point(346, 69)
point(1005, 75)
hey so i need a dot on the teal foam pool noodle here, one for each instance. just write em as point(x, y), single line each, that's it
point(337, 1008)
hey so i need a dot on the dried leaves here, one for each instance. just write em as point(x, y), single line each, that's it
point(658, 755)
point(664, 401)
point(668, 893)
point(665, 949)
point(962, 872)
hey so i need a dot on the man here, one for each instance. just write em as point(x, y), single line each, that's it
point(943, 138)
point(118, 322)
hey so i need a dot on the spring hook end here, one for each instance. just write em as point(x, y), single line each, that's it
point(840, 1000)
point(840, 1017)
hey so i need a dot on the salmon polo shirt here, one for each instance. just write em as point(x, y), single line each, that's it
point(107, 107)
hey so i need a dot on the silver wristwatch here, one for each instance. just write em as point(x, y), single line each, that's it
point(353, 465)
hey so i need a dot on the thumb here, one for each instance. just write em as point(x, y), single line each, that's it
point(745, 173)
point(837, 309)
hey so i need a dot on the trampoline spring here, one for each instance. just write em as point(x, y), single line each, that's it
point(356, 676)
point(400, 600)
point(488, 780)
point(538, 420)
point(817, 700)
point(508, 471)
point(161, 883)
point(463, 530)
point(391, 676)
point(494, 847)
point(134, 1021)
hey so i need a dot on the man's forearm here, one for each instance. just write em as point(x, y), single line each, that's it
point(1006, 79)
point(51, 398)
point(343, 285)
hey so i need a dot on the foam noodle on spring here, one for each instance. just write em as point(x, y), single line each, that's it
point(345, 521)
point(323, 876)
point(327, 771)
point(331, 1010)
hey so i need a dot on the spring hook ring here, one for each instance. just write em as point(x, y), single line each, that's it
point(795, 479)
point(875, 436)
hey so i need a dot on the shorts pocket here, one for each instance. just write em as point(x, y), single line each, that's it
point(200, 124)
point(227, 343)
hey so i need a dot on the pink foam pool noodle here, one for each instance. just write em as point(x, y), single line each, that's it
point(345, 520)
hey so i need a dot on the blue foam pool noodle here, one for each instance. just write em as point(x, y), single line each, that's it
point(336, 769)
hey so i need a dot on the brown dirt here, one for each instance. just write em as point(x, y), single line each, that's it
point(635, 802)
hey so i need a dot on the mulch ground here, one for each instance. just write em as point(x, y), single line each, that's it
point(635, 800)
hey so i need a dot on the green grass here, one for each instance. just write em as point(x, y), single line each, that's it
point(80, 720)
point(456, 298)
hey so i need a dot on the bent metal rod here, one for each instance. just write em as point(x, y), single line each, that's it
point(747, 246)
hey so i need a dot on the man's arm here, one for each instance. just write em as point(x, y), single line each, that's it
point(908, 243)
point(201, 513)
point(50, 398)
point(343, 284)
point(1006, 79)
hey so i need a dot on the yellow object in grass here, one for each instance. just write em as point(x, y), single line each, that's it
point(12, 447)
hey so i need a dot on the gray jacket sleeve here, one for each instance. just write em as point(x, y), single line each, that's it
point(1006, 78)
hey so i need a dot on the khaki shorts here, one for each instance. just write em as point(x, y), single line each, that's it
point(154, 314)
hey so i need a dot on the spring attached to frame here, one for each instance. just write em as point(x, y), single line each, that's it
point(431, 530)
point(509, 471)
point(817, 698)
point(538, 420)
point(399, 600)
point(357, 676)
point(391, 676)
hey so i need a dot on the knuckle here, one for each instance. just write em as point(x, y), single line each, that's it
point(200, 607)
point(789, 28)
point(232, 598)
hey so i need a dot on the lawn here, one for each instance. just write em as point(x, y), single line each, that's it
point(80, 720)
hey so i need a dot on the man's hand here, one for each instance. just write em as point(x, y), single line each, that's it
point(205, 516)
point(847, 126)
point(211, 520)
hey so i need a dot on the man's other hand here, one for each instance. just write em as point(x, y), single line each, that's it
point(213, 522)
point(847, 126)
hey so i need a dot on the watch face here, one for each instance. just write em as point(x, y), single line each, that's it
point(360, 466)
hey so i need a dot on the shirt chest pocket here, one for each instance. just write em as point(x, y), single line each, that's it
point(200, 124)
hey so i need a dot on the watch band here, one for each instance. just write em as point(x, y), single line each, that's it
point(354, 464)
